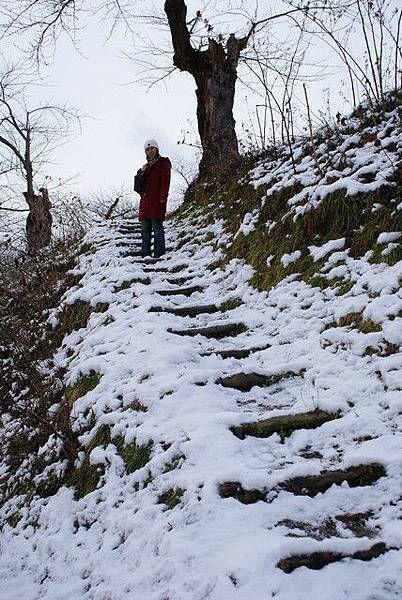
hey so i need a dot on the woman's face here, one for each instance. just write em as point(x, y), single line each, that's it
point(151, 152)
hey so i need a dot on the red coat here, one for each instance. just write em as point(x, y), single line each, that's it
point(156, 189)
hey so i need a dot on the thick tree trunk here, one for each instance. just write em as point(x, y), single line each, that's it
point(216, 125)
point(215, 73)
point(39, 220)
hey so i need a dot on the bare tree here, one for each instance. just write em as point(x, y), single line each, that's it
point(209, 52)
point(28, 136)
point(365, 35)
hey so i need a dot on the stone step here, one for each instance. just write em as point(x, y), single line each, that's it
point(143, 280)
point(233, 489)
point(186, 311)
point(330, 527)
point(213, 331)
point(311, 485)
point(236, 352)
point(133, 233)
point(283, 425)
point(179, 280)
point(127, 244)
point(129, 227)
point(131, 253)
point(133, 229)
point(175, 269)
point(245, 381)
point(318, 560)
point(180, 291)
point(129, 282)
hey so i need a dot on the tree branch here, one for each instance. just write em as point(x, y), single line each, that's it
point(184, 54)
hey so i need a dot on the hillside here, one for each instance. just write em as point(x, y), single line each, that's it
point(236, 405)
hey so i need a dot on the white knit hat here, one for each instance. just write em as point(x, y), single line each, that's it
point(151, 144)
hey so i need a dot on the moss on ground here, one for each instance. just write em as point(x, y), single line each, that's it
point(86, 248)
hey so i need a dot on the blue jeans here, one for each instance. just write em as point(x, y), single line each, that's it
point(147, 225)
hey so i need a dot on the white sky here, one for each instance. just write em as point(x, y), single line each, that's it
point(120, 117)
point(109, 149)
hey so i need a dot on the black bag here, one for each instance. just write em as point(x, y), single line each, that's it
point(139, 181)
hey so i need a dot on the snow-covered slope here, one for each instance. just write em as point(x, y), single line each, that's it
point(234, 443)
point(164, 530)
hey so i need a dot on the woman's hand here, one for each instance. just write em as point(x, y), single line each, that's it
point(143, 168)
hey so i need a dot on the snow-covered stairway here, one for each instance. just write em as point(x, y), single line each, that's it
point(247, 447)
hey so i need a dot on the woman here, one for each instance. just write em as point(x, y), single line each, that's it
point(154, 193)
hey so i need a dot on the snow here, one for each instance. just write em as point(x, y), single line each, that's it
point(287, 259)
point(388, 236)
point(318, 252)
point(248, 224)
point(121, 541)
point(357, 167)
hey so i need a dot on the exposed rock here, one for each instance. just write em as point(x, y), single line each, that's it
point(311, 485)
point(284, 425)
point(213, 331)
point(237, 352)
point(318, 560)
point(180, 291)
point(233, 489)
point(186, 311)
point(245, 381)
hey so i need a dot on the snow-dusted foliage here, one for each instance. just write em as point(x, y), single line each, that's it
point(354, 158)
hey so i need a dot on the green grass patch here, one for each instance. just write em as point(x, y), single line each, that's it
point(135, 457)
point(49, 486)
point(171, 498)
point(86, 478)
point(85, 384)
point(359, 219)
point(356, 321)
point(230, 304)
point(175, 463)
point(390, 259)
point(136, 405)
point(344, 287)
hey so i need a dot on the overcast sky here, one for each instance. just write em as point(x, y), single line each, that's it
point(109, 149)
point(119, 116)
